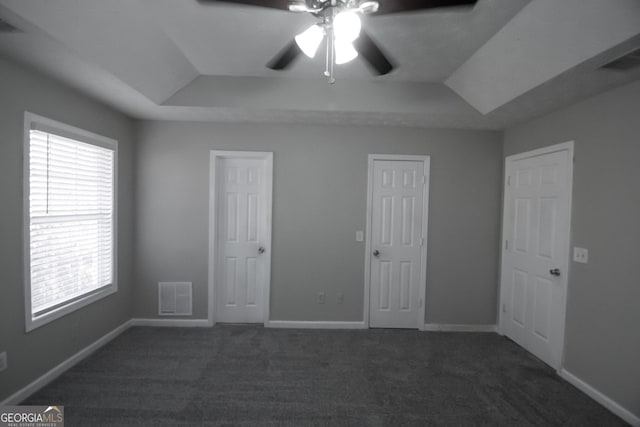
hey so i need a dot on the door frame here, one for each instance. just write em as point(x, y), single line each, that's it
point(426, 161)
point(214, 158)
point(565, 261)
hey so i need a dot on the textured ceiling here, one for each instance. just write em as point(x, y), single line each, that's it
point(181, 60)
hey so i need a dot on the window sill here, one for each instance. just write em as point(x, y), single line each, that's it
point(35, 322)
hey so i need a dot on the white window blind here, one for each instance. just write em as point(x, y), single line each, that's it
point(71, 219)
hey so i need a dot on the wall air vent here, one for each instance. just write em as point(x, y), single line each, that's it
point(174, 298)
point(5, 27)
point(626, 62)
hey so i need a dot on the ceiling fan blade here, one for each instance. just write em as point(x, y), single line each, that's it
point(272, 4)
point(372, 54)
point(398, 6)
point(285, 57)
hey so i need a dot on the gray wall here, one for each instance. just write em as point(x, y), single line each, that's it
point(320, 179)
point(602, 344)
point(32, 354)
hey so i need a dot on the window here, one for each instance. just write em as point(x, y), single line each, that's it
point(70, 219)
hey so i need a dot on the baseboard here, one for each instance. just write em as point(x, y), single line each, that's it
point(173, 323)
point(314, 324)
point(444, 327)
point(361, 325)
point(601, 398)
point(54, 373)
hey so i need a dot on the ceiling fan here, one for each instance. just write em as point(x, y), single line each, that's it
point(340, 27)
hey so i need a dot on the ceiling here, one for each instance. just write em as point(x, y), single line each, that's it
point(502, 62)
point(430, 46)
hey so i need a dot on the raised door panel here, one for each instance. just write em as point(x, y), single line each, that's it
point(521, 225)
point(253, 217)
point(519, 294)
point(541, 305)
point(251, 281)
point(231, 281)
point(386, 270)
point(232, 200)
point(407, 225)
point(547, 220)
point(406, 285)
point(386, 221)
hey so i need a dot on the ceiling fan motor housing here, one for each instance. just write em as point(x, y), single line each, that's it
point(323, 5)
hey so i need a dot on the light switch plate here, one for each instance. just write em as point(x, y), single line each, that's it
point(581, 255)
point(359, 236)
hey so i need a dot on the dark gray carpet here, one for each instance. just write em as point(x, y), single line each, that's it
point(251, 376)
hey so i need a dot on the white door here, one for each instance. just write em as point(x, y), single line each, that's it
point(397, 252)
point(536, 250)
point(243, 239)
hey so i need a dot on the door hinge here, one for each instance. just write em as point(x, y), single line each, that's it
point(504, 308)
point(506, 245)
point(424, 179)
point(420, 303)
point(509, 180)
point(422, 241)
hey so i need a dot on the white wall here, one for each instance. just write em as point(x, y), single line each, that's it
point(320, 179)
point(603, 310)
point(32, 354)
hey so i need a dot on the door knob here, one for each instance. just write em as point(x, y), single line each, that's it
point(555, 272)
point(261, 250)
point(376, 253)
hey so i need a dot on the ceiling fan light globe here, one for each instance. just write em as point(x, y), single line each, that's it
point(309, 40)
point(345, 52)
point(298, 7)
point(347, 26)
point(367, 7)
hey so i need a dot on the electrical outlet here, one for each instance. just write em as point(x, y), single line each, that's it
point(3, 361)
point(321, 298)
point(359, 236)
point(340, 298)
point(581, 255)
